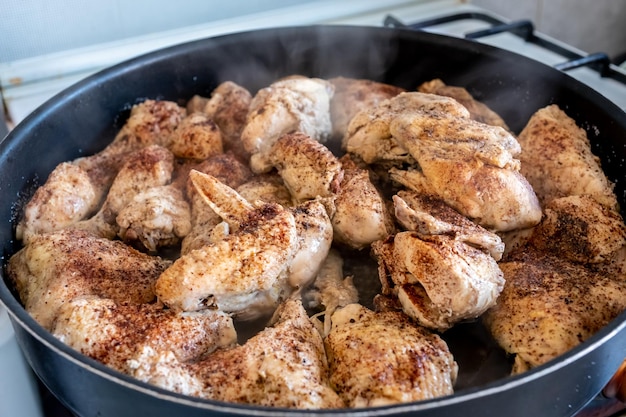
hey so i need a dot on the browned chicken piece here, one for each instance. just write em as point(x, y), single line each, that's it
point(228, 170)
point(440, 275)
point(307, 167)
point(53, 269)
point(67, 197)
point(282, 366)
point(470, 165)
point(118, 334)
point(196, 137)
point(369, 136)
point(155, 218)
point(228, 107)
point(245, 272)
point(266, 187)
point(580, 229)
point(478, 110)
point(359, 212)
point(294, 104)
point(558, 161)
point(379, 359)
point(148, 167)
point(353, 95)
point(550, 305)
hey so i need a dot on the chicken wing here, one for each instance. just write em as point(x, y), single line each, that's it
point(557, 159)
point(54, 268)
point(379, 359)
point(244, 273)
point(294, 104)
point(117, 334)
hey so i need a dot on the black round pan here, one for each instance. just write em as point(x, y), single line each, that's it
point(83, 119)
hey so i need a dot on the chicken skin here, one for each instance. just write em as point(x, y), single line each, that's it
point(558, 161)
point(293, 104)
point(117, 334)
point(55, 268)
point(281, 366)
point(243, 273)
point(379, 359)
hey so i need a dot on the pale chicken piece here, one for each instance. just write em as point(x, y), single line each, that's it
point(379, 359)
point(294, 104)
point(228, 106)
point(470, 165)
point(158, 217)
point(282, 366)
point(369, 136)
point(307, 167)
point(116, 334)
point(148, 167)
point(444, 271)
point(558, 161)
point(358, 211)
point(227, 169)
point(54, 268)
point(266, 187)
point(66, 197)
point(549, 305)
point(196, 137)
point(353, 95)
point(478, 110)
point(245, 272)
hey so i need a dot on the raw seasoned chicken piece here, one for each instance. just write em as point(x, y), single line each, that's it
point(196, 137)
point(478, 110)
point(359, 213)
point(368, 134)
point(228, 107)
point(228, 170)
point(557, 159)
point(353, 95)
point(53, 269)
point(307, 167)
point(440, 275)
point(294, 104)
point(67, 197)
point(116, 334)
point(379, 359)
point(243, 273)
point(158, 217)
point(550, 305)
point(148, 167)
point(282, 366)
point(470, 165)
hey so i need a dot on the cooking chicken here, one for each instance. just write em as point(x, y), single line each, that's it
point(120, 332)
point(293, 104)
point(55, 268)
point(379, 359)
point(196, 137)
point(282, 366)
point(266, 187)
point(478, 110)
point(439, 275)
point(243, 273)
point(558, 161)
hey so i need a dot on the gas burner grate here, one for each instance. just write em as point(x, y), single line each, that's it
point(524, 29)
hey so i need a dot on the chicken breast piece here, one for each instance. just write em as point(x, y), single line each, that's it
point(282, 366)
point(293, 104)
point(353, 95)
point(266, 187)
point(379, 359)
point(55, 268)
point(116, 334)
point(196, 137)
point(478, 110)
point(470, 165)
point(244, 273)
point(307, 167)
point(557, 159)
point(550, 305)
